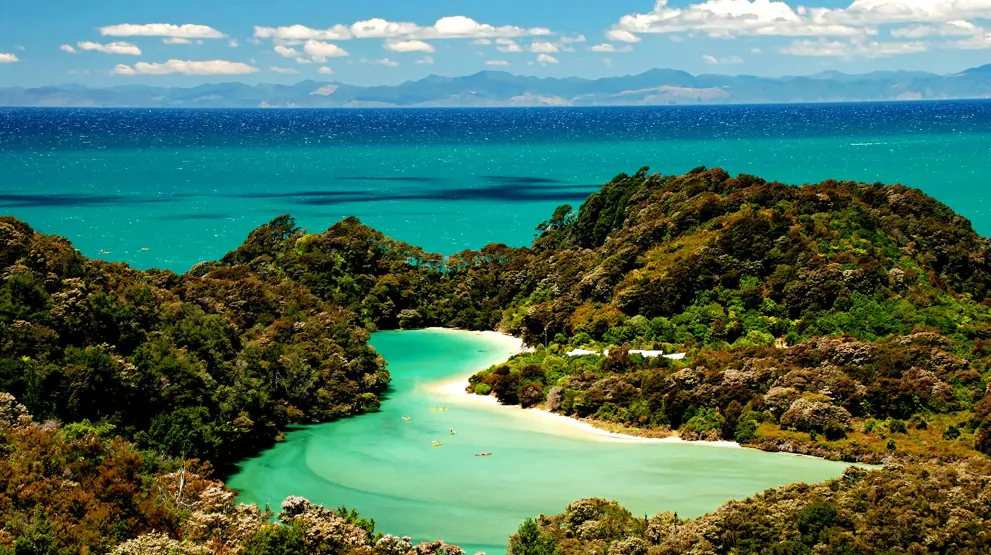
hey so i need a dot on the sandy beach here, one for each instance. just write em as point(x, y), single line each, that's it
point(562, 424)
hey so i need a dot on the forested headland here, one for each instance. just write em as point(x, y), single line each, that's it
point(840, 319)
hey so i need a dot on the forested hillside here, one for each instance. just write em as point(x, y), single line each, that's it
point(843, 320)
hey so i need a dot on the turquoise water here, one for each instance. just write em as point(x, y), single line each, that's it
point(388, 469)
point(188, 185)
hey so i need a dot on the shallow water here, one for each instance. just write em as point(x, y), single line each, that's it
point(188, 185)
point(387, 469)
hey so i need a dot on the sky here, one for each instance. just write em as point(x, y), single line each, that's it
point(370, 42)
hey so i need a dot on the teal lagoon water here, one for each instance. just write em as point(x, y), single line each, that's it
point(387, 467)
point(188, 185)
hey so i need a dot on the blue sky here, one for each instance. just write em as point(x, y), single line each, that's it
point(187, 42)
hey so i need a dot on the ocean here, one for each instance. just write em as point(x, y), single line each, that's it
point(169, 188)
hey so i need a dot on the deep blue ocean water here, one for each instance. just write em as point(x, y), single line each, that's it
point(169, 188)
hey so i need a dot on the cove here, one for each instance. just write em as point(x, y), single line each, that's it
point(387, 468)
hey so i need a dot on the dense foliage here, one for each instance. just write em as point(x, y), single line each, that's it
point(838, 319)
point(832, 396)
point(76, 490)
point(209, 366)
point(928, 508)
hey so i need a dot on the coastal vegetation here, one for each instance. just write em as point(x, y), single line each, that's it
point(844, 320)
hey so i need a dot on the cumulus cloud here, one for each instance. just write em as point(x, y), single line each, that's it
point(496, 63)
point(302, 32)
point(544, 59)
point(606, 47)
point(451, 27)
point(508, 45)
point(712, 60)
point(208, 67)
point(576, 38)
point(284, 70)
point(67, 48)
point(320, 51)
point(852, 49)
point(948, 29)
point(285, 51)
point(110, 48)
point(325, 71)
point(232, 43)
point(621, 35)
point(544, 46)
point(425, 61)
point(847, 28)
point(383, 62)
point(176, 40)
point(412, 45)
point(186, 31)
point(8, 58)
point(482, 42)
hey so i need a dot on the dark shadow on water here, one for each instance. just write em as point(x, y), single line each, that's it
point(22, 200)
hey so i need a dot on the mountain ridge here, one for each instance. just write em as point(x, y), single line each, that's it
point(659, 86)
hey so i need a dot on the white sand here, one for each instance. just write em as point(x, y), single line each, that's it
point(457, 389)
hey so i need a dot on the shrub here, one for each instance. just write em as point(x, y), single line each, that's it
point(896, 426)
point(483, 389)
point(952, 432)
point(746, 431)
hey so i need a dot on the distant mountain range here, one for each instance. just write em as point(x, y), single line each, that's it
point(498, 88)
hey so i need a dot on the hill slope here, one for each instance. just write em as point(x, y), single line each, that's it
point(497, 88)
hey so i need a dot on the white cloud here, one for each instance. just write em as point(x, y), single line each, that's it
point(756, 51)
point(853, 48)
point(232, 43)
point(858, 20)
point(383, 62)
point(320, 51)
point(378, 28)
point(285, 51)
point(176, 40)
point(325, 71)
point(496, 63)
point(621, 35)
point(948, 29)
point(607, 62)
point(482, 41)
point(210, 67)
point(8, 58)
point(67, 48)
point(606, 47)
point(508, 45)
point(544, 46)
point(712, 60)
point(544, 59)
point(412, 45)
point(186, 31)
point(451, 27)
point(302, 32)
point(284, 70)
point(110, 48)
point(19, 47)
point(978, 42)
point(425, 61)
point(576, 38)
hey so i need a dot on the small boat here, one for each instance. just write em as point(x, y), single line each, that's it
point(436, 444)
point(453, 432)
point(145, 249)
point(104, 251)
point(405, 418)
point(483, 454)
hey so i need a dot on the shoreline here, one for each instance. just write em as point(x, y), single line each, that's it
point(456, 388)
